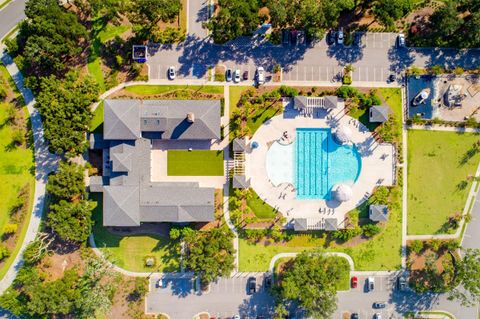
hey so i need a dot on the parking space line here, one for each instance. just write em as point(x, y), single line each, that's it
point(374, 39)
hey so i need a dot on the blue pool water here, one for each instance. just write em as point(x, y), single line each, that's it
point(320, 163)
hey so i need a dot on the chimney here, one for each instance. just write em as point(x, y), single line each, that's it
point(190, 117)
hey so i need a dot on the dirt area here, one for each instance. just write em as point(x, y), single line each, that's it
point(125, 304)
point(54, 266)
point(418, 261)
point(218, 213)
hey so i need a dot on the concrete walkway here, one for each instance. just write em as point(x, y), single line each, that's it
point(44, 164)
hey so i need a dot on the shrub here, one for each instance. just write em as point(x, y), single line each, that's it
point(32, 253)
point(3, 93)
point(175, 233)
point(437, 69)
point(10, 228)
point(277, 68)
point(119, 60)
point(435, 244)
point(18, 137)
point(346, 234)
point(347, 79)
point(287, 91)
point(347, 92)
point(416, 246)
point(150, 261)
point(4, 252)
point(458, 70)
point(370, 230)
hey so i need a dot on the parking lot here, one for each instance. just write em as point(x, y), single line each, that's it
point(226, 298)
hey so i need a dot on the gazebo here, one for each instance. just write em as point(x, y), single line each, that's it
point(342, 192)
point(343, 134)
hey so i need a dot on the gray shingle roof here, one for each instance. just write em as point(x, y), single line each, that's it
point(240, 181)
point(127, 119)
point(331, 224)
point(300, 224)
point(327, 102)
point(379, 113)
point(378, 213)
point(121, 206)
point(96, 183)
point(239, 144)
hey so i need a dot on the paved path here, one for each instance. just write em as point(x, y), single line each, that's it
point(44, 164)
point(11, 15)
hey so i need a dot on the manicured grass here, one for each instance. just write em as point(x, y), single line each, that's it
point(129, 252)
point(235, 94)
point(438, 166)
point(97, 122)
point(261, 116)
point(194, 163)
point(380, 253)
point(161, 89)
point(111, 31)
point(261, 209)
point(17, 168)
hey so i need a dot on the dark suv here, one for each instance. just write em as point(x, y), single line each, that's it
point(251, 285)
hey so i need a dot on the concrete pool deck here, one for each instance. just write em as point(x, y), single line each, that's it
point(377, 166)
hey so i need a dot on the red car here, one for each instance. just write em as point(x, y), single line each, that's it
point(354, 282)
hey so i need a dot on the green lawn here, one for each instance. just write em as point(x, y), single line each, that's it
point(235, 93)
point(129, 252)
point(194, 163)
point(161, 89)
point(261, 209)
point(97, 122)
point(438, 166)
point(17, 167)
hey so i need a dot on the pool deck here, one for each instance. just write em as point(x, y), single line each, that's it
point(377, 166)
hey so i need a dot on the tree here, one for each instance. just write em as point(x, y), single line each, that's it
point(37, 249)
point(445, 21)
point(388, 11)
point(147, 13)
point(67, 183)
point(312, 281)
point(65, 108)
point(49, 37)
point(416, 246)
point(370, 230)
point(210, 254)
point(71, 221)
point(468, 276)
point(235, 18)
point(281, 311)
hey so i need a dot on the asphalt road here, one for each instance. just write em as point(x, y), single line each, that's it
point(11, 15)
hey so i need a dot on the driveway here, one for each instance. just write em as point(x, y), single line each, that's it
point(11, 15)
point(227, 297)
point(197, 15)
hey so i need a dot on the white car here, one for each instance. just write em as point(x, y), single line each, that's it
point(378, 316)
point(340, 37)
point(401, 40)
point(160, 283)
point(236, 76)
point(371, 283)
point(171, 73)
point(260, 75)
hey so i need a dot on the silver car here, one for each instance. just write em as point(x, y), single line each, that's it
point(260, 75)
point(236, 76)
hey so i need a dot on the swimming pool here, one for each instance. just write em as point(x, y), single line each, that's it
point(320, 163)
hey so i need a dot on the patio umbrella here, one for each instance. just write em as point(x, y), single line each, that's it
point(343, 134)
point(343, 192)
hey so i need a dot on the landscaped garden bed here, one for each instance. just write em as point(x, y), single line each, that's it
point(195, 163)
point(441, 168)
point(17, 170)
point(432, 265)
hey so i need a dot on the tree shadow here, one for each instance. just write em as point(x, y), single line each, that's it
point(346, 55)
point(400, 59)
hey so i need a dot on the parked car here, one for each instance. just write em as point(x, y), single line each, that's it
point(251, 285)
point(159, 283)
point(354, 316)
point(330, 37)
point(171, 73)
point(236, 76)
point(370, 283)
point(285, 36)
point(236, 317)
point(379, 304)
point(401, 40)
point(267, 281)
point(245, 75)
point(340, 36)
point(260, 76)
point(228, 75)
point(392, 77)
point(354, 282)
point(401, 283)
point(377, 316)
